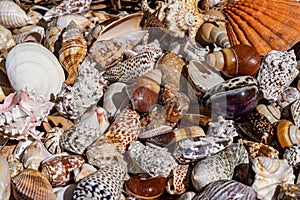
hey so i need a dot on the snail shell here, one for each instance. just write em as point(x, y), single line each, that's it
point(239, 60)
point(51, 141)
point(287, 133)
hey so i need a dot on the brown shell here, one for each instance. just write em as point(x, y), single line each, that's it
point(287, 133)
point(31, 184)
point(267, 25)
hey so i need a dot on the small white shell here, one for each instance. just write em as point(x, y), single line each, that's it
point(32, 66)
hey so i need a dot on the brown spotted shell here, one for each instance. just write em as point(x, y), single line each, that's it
point(31, 184)
point(266, 25)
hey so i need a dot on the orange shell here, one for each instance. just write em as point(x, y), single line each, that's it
point(265, 24)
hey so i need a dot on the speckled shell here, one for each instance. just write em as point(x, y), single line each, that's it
point(12, 16)
point(52, 138)
point(270, 172)
point(6, 39)
point(219, 166)
point(266, 25)
point(287, 133)
point(292, 155)
point(31, 184)
point(272, 113)
point(277, 71)
point(178, 181)
point(295, 110)
point(73, 51)
point(106, 183)
point(90, 127)
point(5, 187)
point(124, 129)
point(58, 168)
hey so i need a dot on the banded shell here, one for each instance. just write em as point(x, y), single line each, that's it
point(272, 113)
point(52, 138)
point(106, 183)
point(277, 72)
point(73, 51)
point(292, 155)
point(287, 133)
point(266, 25)
point(270, 172)
point(5, 187)
point(12, 15)
point(6, 39)
point(58, 168)
point(32, 66)
point(31, 184)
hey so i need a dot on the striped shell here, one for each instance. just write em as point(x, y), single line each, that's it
point(12, 16)
point(266, 25)
point(272, 113)
point(31, 184)
point(72, 52)
point(51, 141)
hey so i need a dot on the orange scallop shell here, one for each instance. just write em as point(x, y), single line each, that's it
point(265, 24)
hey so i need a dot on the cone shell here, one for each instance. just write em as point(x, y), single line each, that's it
point(31, 184)
point(12, 15)
point(266, 25)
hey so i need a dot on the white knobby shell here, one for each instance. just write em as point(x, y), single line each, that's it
point(32, 66)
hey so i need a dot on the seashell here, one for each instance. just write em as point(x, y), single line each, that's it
point(74, 101)
point(295, 111)
point(196, 119)
point(239, 60)
point(73, 51)
point(270, 172)
point(31, 33)
point(83, 171)
point(171, 66)
point(178, 181)
point(277, 71)
point(51, 40)
point(257, 23)
point(102, 151)
point(82, 22)
point(156, 162)
point(25, 66)
point(21, 113)
point(232, 98)
point(106, 183)
point(51, 140)
point(5, 188)
point(21, 146)
point(292, 155)
point(58, 168)
point(222, 128)
point(125, 129)
point(6, 148)
point(287, 191)
point(12, 15)
point(258, 149)
point(6, 39)
point(31, 184)
point(193, 148)
point(219, 166)
point(209, 33)
point(64, 193)
point(187, 196)
point(145, 188)
point(143, 92)
point(114, 98)
point(67, 7)
point(15, 166)
point(34, 154)
point(272, 113)
point(57, 121)
point(287, 133)
point(226, 189)
point(287, 97)
point(90, 127)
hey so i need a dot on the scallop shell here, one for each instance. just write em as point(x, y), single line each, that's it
point(31, 184)
point(266, 25)
point(4, 179)
point(32, 66)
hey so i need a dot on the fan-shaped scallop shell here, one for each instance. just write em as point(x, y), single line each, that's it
point(31, 184)
point(33, 66)
point(266, 25)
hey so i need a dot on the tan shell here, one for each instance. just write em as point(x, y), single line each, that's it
point(271, 112)
point(31, 184)
point(6, 39)
point(4, 179)
point(266, 25)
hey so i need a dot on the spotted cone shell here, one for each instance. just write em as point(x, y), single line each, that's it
point(265, 24)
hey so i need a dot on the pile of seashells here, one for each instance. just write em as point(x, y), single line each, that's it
point(167, 99)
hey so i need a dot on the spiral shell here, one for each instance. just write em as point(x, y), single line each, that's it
point(51, 140)
point(287, 133)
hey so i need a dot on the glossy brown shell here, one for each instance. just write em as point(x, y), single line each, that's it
point(265, 24)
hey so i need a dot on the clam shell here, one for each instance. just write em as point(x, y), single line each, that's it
point(32, 66)
point(266, 25)
point(31, 184)
point(12, 15)
point(4, 179)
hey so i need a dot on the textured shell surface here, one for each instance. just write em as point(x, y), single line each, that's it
point(287, 97)
point(12, 15)
point(222, 128)
point(106, 183)
point(74, 101)
point(295, 110)
point(287, 191)
point(15, 166)
point(82, 22)
point(31, 184)
point(219, 166)
point(51, 140)
point(5, 187)
point(58, 168)
point(52, 34)
point(6, 39)
point(85, 132)
point(277, 71)
point(156, 162)
point(266, 25)
point(270, 172)
point(178, 181)
point(292, 155)
point(33, 66)
point(226, 189)
point(21, 112)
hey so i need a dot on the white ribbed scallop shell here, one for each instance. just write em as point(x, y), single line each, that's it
point(32, 66)
point(12, 15)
